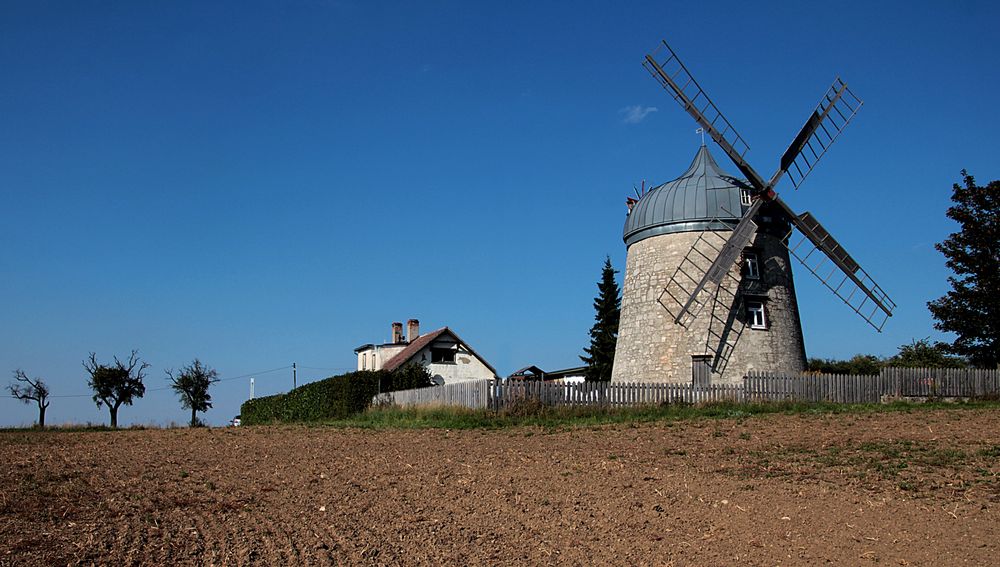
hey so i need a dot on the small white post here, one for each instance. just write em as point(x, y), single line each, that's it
point(251, 388)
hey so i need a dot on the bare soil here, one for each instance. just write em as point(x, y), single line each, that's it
point(917, 488)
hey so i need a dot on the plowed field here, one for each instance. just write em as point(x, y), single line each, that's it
point(916, 488)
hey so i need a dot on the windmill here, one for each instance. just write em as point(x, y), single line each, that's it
point(706, 294)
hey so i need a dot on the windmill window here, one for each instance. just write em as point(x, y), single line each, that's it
point(745, 197)
point(751, 266)
point(364, 361)
point(756, 317)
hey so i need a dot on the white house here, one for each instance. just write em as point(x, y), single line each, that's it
point(446, 356)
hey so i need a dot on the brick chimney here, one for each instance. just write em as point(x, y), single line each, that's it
point(397, 333)
point(412, 330)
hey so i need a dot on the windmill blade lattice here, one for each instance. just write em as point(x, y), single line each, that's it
point(822, 255)
point(673, 75)
point(724, 332)
point(679, 297)
point(831, 116)
point(705, 267)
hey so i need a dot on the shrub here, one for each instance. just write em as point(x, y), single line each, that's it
point(337, 397)
point(867, 364)
point(524, 407)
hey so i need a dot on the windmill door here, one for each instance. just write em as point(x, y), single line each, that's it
point(701, 370)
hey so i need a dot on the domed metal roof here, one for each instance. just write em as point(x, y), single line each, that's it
point(704, 197)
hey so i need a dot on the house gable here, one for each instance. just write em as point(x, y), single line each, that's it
point(445, 355)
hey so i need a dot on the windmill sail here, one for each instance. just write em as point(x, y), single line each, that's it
point(682, 297)
point(724, 331)
point(682, 86)
point(706, 264)
point(833, 113)
point(822, 255)
point(821, 238)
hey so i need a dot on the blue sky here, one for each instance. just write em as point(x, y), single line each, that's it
point(257, 183)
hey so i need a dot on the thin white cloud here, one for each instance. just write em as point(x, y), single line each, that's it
point(636, 114)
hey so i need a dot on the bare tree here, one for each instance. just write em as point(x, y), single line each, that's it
point(31, 391)
point(191, 384)
point(116, 384)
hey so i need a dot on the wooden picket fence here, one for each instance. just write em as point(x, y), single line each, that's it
point(945, 382)
point(471, 394)
point(610, 394)
point(891, 383)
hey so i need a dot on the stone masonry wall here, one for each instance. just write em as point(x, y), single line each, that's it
point(652, 348)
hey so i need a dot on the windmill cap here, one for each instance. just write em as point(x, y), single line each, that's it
point(703, 198)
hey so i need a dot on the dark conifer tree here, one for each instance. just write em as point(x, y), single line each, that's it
point(971, 309)
point(604, 334)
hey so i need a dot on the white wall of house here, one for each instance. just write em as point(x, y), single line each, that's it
point(365, 358)
point(373, 358)
point(466, 366)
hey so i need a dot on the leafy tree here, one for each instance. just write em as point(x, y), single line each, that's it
point(858, 364)
point(31, 391)
point(604, 333)
point(116, 384)
point(191, 384)
point(406, 377)
point(971, 309)
point(410, 376)
point(922, 354)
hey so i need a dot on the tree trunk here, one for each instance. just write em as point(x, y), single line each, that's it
point(41, 417)
point(194, 419)
point(114, 416)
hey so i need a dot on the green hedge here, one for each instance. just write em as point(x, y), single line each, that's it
point(336, 397)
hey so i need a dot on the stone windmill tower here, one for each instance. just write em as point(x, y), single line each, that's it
point(754, 321)
point(708, 291)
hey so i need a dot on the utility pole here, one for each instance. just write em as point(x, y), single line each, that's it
point(294, 378)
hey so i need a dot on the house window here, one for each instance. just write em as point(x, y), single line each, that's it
point(755, 315)
point(442, 355)
point(364, 361)
point(751, 267)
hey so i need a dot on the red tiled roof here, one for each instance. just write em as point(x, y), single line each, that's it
point(412, 349)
